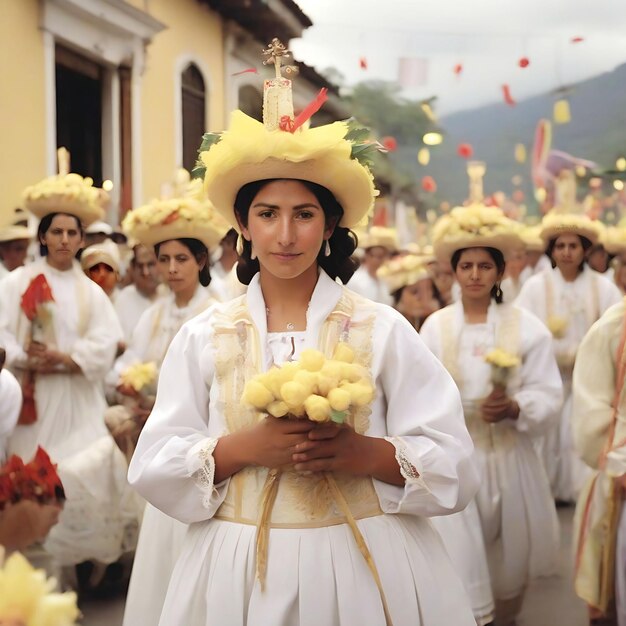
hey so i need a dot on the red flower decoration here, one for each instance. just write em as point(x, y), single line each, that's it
point(37, 293)
point(465, 150)
point(428, 184)
point(363, 63)
point(37, 481)
point(577, 39)
point(524, 62)
point(172, 217)
point(390, 143)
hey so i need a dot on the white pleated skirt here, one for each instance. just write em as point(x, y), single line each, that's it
point(316, 576)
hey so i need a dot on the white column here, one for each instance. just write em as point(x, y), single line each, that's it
point(50, 106)
point(111, 140)
point(136, 134)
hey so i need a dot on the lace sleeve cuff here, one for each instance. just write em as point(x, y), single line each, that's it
point(201, 466)
point(407, 468)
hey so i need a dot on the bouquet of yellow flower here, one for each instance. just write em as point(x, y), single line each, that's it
point(557, 326)
point(140, 376)
point(27, 598)
point(314, 387)
point(502, 364)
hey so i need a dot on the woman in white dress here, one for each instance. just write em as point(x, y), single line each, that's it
point(209, 460)
point(182, 247)
point(568, 299)
point(513, 507)
point(69, 346)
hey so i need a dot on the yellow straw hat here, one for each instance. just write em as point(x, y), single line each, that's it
point(475, 225)
point(188, 215)
point(66, 192)
point(531, 238)
point(379, 236)
point(334, 156)
point(565, 217)
point(403, 271)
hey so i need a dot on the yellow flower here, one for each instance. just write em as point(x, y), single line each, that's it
point(257, 394)
point(503, 359)
point(26, 596)
point(140, 375)
point(312, 360)
point(557, 326)
point(317, 408)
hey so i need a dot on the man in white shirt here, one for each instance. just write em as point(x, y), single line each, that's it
point(379, 244)
point(133, 300)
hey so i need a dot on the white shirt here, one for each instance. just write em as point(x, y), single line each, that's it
point(130, 303)
point(365, 285)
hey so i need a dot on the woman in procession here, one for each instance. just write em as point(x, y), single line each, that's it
point(342, 536)
point(506, 402)
point(568, 299)
point(182, 230)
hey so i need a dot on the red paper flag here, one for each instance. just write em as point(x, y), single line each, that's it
point(458, 69)
point(465, 150)
point(250, 70)
point(37, 293)
point(390, 143)
point(363, 63)
point(428, 184)
point(524, 62)
point(508, 98)
point(307, 113)
point(577, 39)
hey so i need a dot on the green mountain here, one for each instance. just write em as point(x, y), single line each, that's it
point(597, 132)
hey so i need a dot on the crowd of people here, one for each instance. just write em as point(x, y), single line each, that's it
point(495, 354)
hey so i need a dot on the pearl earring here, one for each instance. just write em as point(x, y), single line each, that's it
point(239, 246)
point(327, 248)
point(252, 253)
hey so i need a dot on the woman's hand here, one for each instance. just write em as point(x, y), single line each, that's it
point(332, 447)
point(270, 443)
point(44, 360)
point(26, 522)
point(497, 406)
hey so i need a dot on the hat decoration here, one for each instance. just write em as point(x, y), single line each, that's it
point(403, 271)
point(531, 238)
point(379, 236)
point(614, 239)
point(475, 225)
point(186, 214)
point(336, 156)
point(17, 228)
point(566, 216)
point(66, 192)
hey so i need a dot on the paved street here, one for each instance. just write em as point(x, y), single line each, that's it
point(549, 602)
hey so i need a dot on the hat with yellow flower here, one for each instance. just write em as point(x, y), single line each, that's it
point(403, 271)
point(566, 216)
point(335, 156)
point(475, 225)
point(66, 192)
point(531, 238)
point(379, 236)
point(186, 215)
point(614, 239)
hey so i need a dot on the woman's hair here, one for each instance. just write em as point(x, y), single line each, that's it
point(44, 226)
point(200, 254)
point(498, 259)
point(586, 244)
point(397, 294)
point(343, 241)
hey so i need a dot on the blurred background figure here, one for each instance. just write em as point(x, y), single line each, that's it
point(14, 242)
point(101, 262)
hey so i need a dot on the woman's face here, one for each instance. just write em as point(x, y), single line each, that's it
point(568, 252)
point(178, 266)
point(418, 300)
point(287, 227)
point(477, 273)
point(63, 239)
point(104, 275)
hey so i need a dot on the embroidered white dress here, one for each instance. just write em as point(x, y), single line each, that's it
point(365, 285)
point(70, 409)
point(10, 406)
point(514, 505)
point(152, 567)
point(577, 304)
point(315, 572)
point(594, 383)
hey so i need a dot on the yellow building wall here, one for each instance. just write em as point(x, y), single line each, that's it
point(192, 31)
point(22, 101)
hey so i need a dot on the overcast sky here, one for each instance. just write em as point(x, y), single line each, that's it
point(487, 36)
